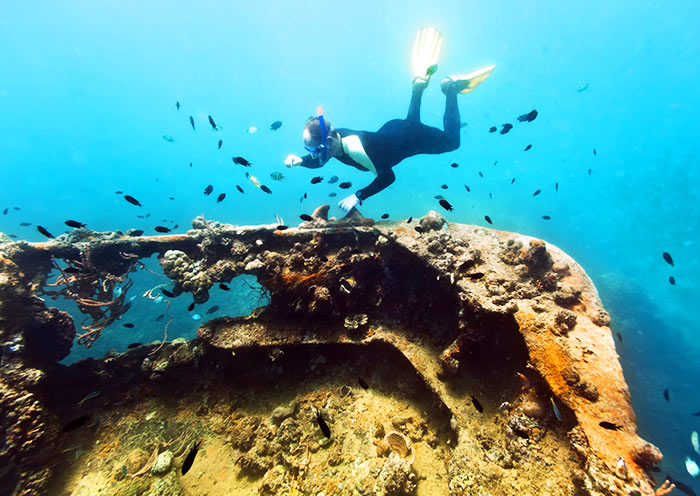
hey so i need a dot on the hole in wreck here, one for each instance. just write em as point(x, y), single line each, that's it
point(255, 410)
point(147, 312)
point(490, 355)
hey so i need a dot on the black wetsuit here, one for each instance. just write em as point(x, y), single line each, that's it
point(399, 139)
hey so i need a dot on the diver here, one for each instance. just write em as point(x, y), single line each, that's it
point(378, 152)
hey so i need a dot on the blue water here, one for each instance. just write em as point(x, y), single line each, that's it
point(88, 89)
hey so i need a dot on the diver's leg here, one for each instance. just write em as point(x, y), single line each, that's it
point(419, 86)
point(450, 121)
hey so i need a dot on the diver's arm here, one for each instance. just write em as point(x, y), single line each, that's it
point(306, 161)
point(382, 181)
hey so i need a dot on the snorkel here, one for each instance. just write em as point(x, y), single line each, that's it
point(324, 151)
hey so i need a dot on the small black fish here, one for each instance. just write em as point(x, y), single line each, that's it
point(680, 486)
point(189, 460)
point(171, 198)
point(129, 325)
point(192, 122)
point(213, 309)
point(316, 179)
point(556, 186)
point(213, 124)
point(595, 152)
point(44, 232)
point(322, 424)
point(266, 189)
point(527, 148)
point(177, 105)
point(167, 293)
point(240, 189)
point(438, 197)
point(467, 188)
point(132, 200)
point(224, 286)
point(454, 165)
point(696, 414)
point(119, 192)
point(506, 128)
point(609, 425)
point(190, 164)
point(241, 161)
point(475, 276)
point(281, 227)
point(191, 307)
point(418, 229)
point(409, 220)
point(333, 180)
point(446, 205)
point(72, 270)
point(133, 345)
point(619, 337)
point(512, 181)
point(495, 162)
point(160, 317)
point(74, 223)
point(221, 142)
point(362, 383)
point(589, 172)
point(220, 198)
point(332, 194)
point(162, 229)
point(490, 196)
point(137, 232)
point(546, 217)
point(276, 125)
point(385, 216)
point(4, 212)
point(488, 219)
point(208, 190)
point(306, 217)
point(345, 185)
point(667, 397)
point(668, 258)
point(444, 186)
point(476, 404)
point(481, 174)
point(537, 192)
point(15, 208)
point(529, 117)
point(493, 129)
point(672, 280)
point(25, 224)
point(76, 422)
point(13, 236)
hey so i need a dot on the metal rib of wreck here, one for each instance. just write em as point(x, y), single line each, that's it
point(488, 329)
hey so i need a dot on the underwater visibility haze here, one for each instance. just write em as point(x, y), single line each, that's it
point(122, 116)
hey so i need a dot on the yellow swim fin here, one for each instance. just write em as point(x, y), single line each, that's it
point(426, 50)
point(464, 83)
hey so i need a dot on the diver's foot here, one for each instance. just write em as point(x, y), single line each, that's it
point(464, 83)
point(421, 82)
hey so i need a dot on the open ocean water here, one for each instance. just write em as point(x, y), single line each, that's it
point(88, 90)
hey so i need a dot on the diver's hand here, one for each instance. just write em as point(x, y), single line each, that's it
point(666, 488)
point(348, 203)
point(292, 160)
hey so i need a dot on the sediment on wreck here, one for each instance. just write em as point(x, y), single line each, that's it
point(490, 329)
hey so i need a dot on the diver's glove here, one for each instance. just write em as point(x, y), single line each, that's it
point(292, 160)
point(348, 203)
